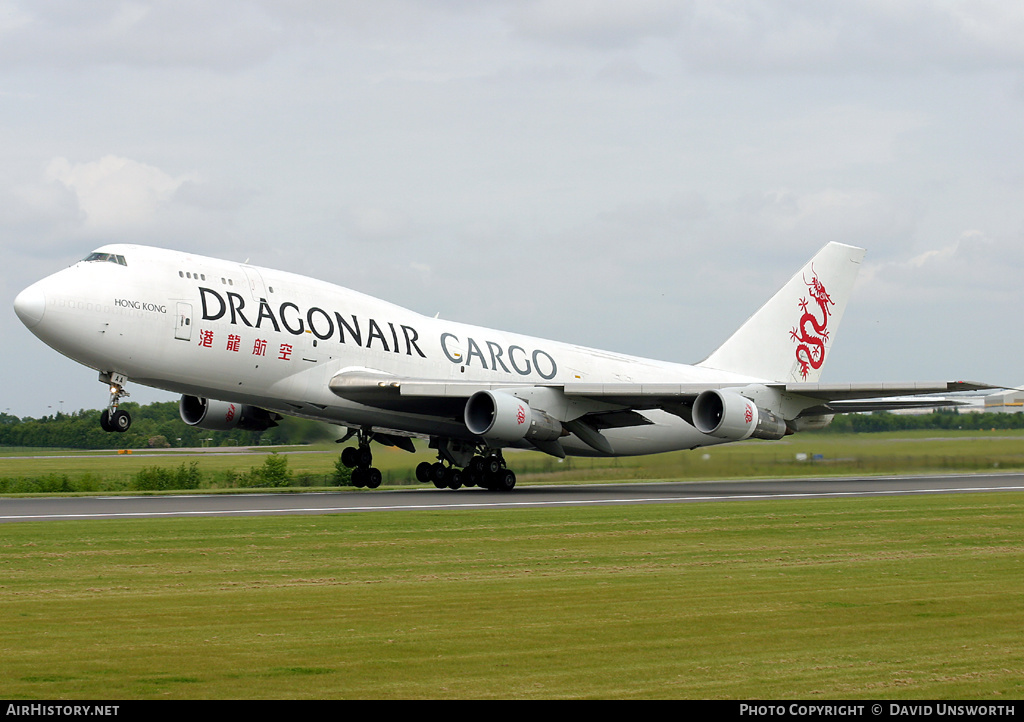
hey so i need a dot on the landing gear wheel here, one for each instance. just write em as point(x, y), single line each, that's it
point(350, 457)
point(121, 421)
point(505, 480)
point(373, 478)
point(459, 465)
point(439, 475)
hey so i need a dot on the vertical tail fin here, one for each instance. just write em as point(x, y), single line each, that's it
point(789, 338)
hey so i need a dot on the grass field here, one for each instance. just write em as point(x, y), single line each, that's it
point(840, 454)
point(904, 597)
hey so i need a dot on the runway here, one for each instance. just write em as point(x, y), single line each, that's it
point(347, 502)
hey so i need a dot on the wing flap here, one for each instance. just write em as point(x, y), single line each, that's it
point(854, 406)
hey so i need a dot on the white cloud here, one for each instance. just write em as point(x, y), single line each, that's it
point(115, 193)
point(12, 17)
point(597, 23)
point(806, 36)
point(785, 218)
point(224, 35)
point(374, 223)
point(975, 270)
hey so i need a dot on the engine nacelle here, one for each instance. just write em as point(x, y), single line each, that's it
point(728, 415)
point(223, 415)
point(501, 417)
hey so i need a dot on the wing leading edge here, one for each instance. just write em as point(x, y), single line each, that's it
point(428, 395)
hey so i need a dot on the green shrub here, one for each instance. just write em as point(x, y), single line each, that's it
point(273, 473)
point(342, 474)
point(188, 477)
point(155, 478)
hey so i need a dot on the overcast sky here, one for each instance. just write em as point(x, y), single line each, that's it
point(638, 176)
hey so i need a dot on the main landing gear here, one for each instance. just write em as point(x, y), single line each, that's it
point(486, 471)
point(360, 459)
point(113, 418)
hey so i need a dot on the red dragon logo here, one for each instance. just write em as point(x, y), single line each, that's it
point(810, 333)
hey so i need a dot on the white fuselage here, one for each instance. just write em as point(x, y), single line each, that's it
point(195, 325)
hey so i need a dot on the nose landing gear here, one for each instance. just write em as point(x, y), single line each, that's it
point(113, 418)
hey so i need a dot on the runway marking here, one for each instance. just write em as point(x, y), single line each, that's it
point(506, 504)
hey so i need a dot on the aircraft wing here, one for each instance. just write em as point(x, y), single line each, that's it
point(587, 409)
point(447, 398)
point(832, 398)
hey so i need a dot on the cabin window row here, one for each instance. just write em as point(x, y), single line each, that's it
point(202, 277)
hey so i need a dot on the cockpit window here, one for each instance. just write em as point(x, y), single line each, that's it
point(110, 257)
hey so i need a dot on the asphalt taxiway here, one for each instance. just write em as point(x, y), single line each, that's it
point(184, 505)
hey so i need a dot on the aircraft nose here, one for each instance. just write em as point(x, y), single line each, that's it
point(30, 305)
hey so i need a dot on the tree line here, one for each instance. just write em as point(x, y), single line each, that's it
point(949, 419)
point(156, 425)
point(159, 425)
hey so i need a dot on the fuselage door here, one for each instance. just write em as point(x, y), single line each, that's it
point(183, 326)
point(256, 286)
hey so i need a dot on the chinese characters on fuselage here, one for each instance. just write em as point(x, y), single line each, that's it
point(368, 333)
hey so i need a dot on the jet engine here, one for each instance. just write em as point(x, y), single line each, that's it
point(728, 415)
point(501, 417)
point(224, 415)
